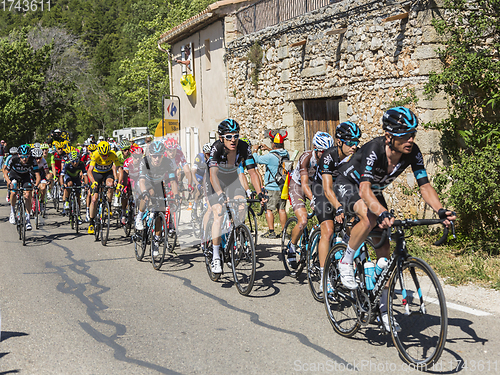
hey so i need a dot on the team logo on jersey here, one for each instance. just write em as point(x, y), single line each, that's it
point(420, 159)
point(342, 190)
point(370, 160)
point(328, 160)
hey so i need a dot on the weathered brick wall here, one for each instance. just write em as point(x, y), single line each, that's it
point(364, 66)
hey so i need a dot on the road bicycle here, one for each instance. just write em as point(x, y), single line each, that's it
point(74, 208)
point(129, 213)
point(56, 192)
point(237, 249)
point(35, 209)
point(103, 217)
point(303, 245)
point(20, 212)
point(416, 299)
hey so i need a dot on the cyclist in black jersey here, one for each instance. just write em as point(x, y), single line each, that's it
point(326, 205)
point(226, 155)
point(372, 169)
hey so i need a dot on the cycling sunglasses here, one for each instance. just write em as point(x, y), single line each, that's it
point(406, 136)
point(229, 137)
point(351, 143)
point(24, 156)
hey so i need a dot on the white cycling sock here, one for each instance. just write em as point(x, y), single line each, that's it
point(12, 209)
point(383, 300)
point(216, 252)
point(321, 269)
point(292, 247)
point(348, 255)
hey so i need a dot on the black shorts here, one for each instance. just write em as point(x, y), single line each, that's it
point(323, 209)
point(101, 178)
point(230, 184)
point(348, 194)
point(23, 179)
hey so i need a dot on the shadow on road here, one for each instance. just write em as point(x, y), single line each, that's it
point(8, 334)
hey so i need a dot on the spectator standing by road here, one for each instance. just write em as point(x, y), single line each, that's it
point(2, 151)
point(272, 161)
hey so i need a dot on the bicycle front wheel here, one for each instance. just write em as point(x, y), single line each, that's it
point(252, 224)
point(418, 305)
point(313, 268)
point(340, 303)
point(243, 260)
point(105, 222)
point(23, 222)
point(75, 212)
point(159, 248)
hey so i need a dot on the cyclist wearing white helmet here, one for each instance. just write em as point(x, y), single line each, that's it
point(302, 176)
point(326, 205)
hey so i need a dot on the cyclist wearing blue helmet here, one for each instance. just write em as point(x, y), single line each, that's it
point(326, 206)
point(359, 188)
point(20, 168)
point(227, 155)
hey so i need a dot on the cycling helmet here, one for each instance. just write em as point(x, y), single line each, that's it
point(103, 148)
point(157, 148)
point(171, 143)
point(228, 126)
point(36, 145)
point(57, 144)
point(24, 150)
point(44, 146)
point(137, 150)
point(247, 141)
point(125, 145)
point(86, 143)
point(322, 141)
point(36, 152)
point(73, 156)
point(13, 151)
point(399, 121)
point(206, 148)
point(92, 147)
point(348, 131)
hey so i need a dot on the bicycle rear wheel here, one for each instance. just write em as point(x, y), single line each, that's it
point(286, 238)
point(243, 260)
point(127, 228)
point(105, 222)
point(341, 304)
point(55, 196)
point(420, 309)
point(97, 223)
point(208, 251)
point(313, 268)
point(158, 259)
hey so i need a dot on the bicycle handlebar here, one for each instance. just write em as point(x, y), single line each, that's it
point(262, 207)
point(408, 223)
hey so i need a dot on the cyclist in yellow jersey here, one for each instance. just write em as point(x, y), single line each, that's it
point(102, 169)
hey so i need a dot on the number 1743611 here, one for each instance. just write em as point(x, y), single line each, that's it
point(25, 5)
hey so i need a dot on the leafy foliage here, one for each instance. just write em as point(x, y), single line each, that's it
point(471, 136)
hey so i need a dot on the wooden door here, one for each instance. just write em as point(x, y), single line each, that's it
point(320, 115)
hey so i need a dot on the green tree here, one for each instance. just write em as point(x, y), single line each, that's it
point(471, 136)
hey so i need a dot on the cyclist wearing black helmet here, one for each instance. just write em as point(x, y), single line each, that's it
point(19, 170)
point(359, 188)
point(227, 155)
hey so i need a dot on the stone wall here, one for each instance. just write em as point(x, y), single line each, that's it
point(350, 52)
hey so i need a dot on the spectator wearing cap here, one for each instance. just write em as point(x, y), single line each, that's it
point(2, 151)
point(272, 161)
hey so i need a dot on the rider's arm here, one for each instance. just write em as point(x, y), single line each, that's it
point(115, 175)
point(187, 172)
point(37, 178)
point(90, 174)
point(304, 181)
point(328, 189)
point(256, 181)
point(432, 199)
point(214, 180)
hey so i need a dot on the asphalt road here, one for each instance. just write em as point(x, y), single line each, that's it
point(72, 306)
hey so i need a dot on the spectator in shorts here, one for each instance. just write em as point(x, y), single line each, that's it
point(271, 161)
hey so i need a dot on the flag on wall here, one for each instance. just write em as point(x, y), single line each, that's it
point(188, 84)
